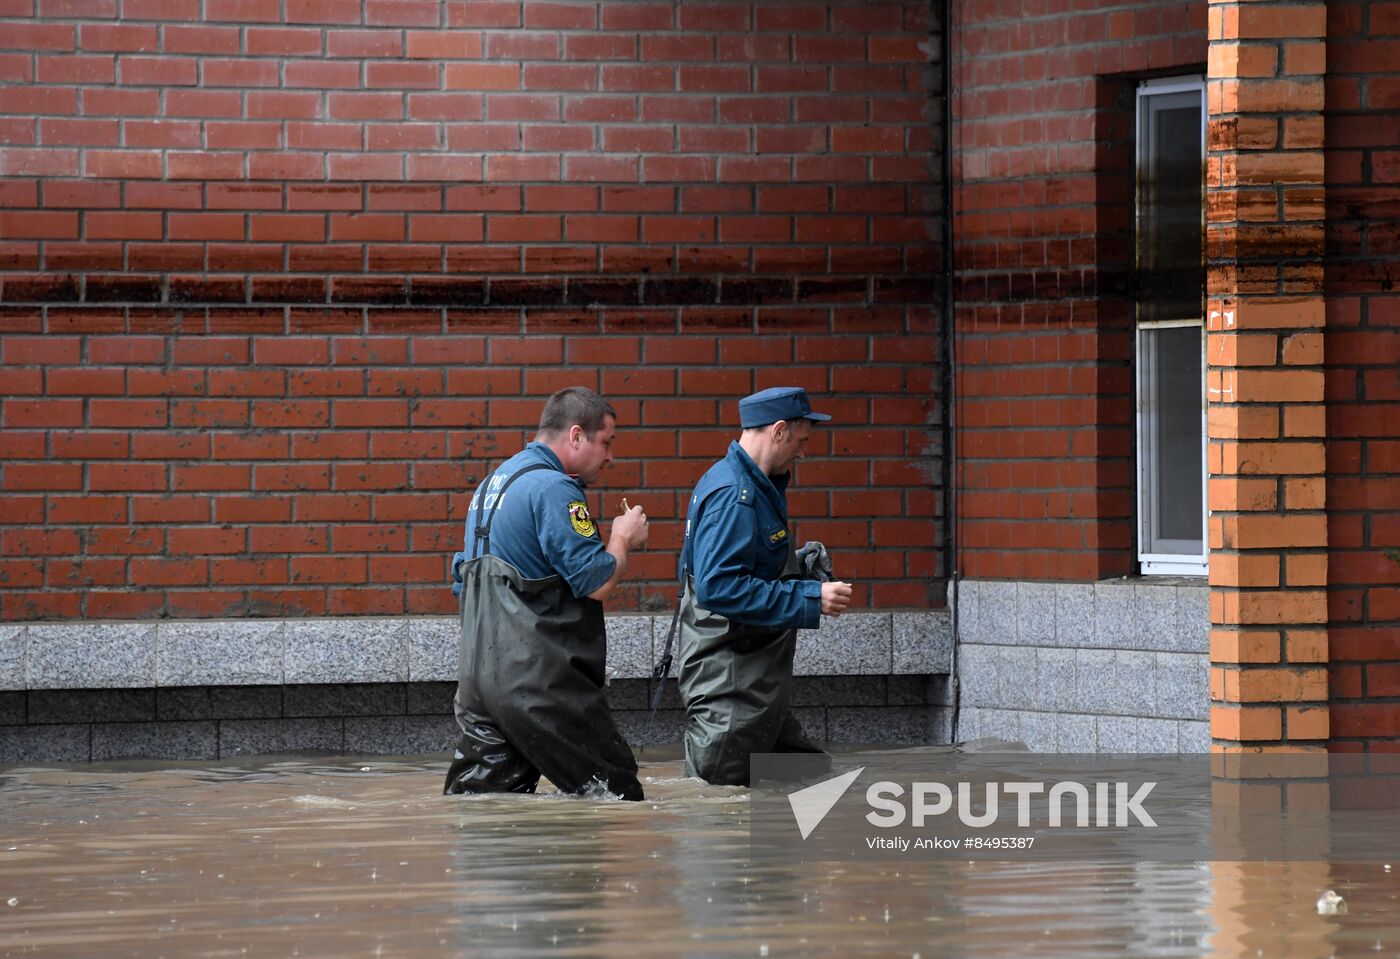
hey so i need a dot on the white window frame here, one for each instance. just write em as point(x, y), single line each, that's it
point(1163, 563)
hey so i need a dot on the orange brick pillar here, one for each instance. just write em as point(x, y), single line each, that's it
point(1268, 531)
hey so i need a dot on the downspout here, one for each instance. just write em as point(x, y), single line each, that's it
point(950, 356)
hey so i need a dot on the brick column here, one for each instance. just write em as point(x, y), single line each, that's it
point(1268, 530)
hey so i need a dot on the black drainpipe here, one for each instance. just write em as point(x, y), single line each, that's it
point(950, 356)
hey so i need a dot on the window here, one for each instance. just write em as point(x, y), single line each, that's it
point(1171, 401)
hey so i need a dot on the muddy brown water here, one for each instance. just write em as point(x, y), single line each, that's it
point(356, 857)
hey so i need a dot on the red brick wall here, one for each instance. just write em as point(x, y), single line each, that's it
point(1043, 174)
point(279, 279)
point(1363, 374)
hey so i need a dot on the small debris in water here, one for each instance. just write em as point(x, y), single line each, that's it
point(12, 901)
point(1331, 904)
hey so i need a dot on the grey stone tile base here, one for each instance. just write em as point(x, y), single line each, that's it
point(178, 740)
point(219, 722)
point(43, 744)
point(1118, 665)
point(1048, 732)
point(368, 649)
point(1142, 613)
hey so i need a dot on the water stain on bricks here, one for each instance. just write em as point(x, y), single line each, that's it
point(301, 289)
point(903, 290)
point(679, 291)
point(570, 321)
point(757, 290)
point(853, 289)
point(526, 292)
point(486, 320)
point(586, 292)
point(122, 289)
point(321, 321)
point(201, 290)
point(368, 290)
point(443, 291)
point(41, 289)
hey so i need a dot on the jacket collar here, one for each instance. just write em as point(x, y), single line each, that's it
point(771, 486)
point(545, 453)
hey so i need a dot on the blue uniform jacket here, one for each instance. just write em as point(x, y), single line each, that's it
point(736, 546)
point(542, 526)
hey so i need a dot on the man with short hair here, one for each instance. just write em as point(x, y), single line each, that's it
point(532, 579)
point(743, 599)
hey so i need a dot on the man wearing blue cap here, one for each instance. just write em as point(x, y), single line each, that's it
point(743, 599)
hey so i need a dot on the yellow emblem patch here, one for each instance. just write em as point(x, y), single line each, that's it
point(580, 520)
point(777, 537)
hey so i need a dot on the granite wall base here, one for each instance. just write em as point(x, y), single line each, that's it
point(220, 722)
point(1116, 666)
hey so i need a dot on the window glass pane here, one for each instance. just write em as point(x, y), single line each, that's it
point(1171, 295)
point(1171, 180)
point(1177, 391)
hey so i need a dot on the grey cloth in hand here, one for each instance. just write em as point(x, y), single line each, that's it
point(815, 562)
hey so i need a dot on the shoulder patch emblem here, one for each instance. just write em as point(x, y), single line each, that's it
point(777, 537)
point(580, 520)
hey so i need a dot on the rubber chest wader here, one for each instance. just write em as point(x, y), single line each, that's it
point(736, 682)
point(530, 684)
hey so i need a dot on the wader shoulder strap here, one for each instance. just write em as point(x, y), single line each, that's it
point(483, 530)
point(659, 672)
point(661, 669)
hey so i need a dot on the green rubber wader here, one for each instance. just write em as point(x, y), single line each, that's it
point(736, 683)
point(530, 689)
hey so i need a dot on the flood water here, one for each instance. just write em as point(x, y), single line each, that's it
point(355, 857)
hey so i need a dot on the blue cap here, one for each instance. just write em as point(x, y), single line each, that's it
point(777, 403)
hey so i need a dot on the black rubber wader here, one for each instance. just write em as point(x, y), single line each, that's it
point(530, 689)
point(736, 682)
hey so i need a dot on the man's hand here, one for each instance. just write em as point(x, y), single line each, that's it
point(835, 598)
point(629, 532)
point(631, 527)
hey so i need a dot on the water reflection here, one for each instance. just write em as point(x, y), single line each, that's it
point(303, 858)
